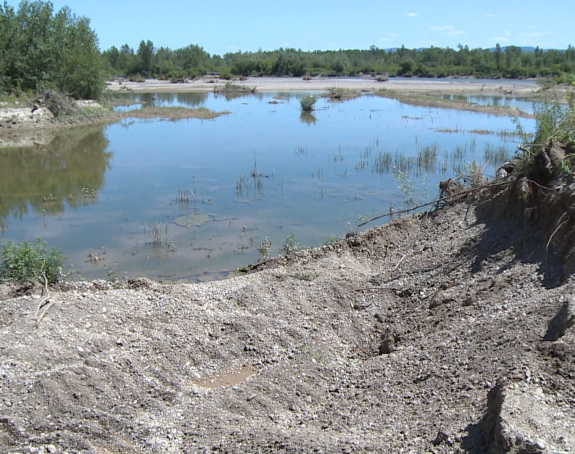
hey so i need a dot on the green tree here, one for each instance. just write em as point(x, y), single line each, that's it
point(146, 56)
point(40, 49)
point(498, 54)
point(79, 61)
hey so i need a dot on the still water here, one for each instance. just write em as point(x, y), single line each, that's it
point(193, 200)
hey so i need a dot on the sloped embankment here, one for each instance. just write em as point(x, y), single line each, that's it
point(392, 339)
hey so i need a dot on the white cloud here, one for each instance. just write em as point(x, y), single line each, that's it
point(442, 28)
point(411, 14)
point(490, 15)
point(392, 34)
point(506, 32)
point(455, 33)
point(384, 39)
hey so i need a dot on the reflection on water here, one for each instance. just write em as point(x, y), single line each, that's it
point(191, 100)
point(67, 171)
point(308, 118)
point(496, 101)
point(196, 199)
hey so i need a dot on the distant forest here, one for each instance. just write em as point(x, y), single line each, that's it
point(508, 62)
point(42, 49)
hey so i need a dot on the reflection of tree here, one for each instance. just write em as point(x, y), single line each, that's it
point(45, 176)
point(307, 117)
point(231, 95)
point(184, 99)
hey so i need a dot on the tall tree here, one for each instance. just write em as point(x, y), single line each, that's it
point(146, 56)
point(41, 50)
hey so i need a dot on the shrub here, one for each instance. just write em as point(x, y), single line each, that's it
point(307, 103)
point(225, 74)
point(30, 262)
point(290, 245)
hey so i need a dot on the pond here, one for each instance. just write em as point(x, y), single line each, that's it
point(193, 200)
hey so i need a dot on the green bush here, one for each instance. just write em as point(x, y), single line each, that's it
point(31, 262)
point(290, 245)
point(307, 103)
point(225, 74)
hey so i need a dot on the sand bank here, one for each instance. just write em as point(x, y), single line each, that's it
point(439, 86)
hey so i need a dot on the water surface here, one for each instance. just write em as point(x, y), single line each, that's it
point(195, 199)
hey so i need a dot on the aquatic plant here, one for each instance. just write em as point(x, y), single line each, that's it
point(496, 155)
point(307, 103)
point(382, 162)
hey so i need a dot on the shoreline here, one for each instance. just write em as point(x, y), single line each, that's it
point(305, 341)
point(23, 126)
point(415, 92)
point(24, 121)
point(441, 86)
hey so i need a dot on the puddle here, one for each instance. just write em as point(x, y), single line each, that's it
point(230, 378)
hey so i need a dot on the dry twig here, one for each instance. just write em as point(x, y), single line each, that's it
point(441, 199)
point(398, 263)
point(554, 232)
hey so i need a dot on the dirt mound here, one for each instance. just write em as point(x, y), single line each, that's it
point(443, 332)
point(541, 191)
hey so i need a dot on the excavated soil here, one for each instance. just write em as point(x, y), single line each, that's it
point(442, 332)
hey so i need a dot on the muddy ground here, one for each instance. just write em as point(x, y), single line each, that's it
point(389, 341)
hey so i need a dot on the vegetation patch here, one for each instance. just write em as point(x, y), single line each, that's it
point(233, 88)
point(431, 100)
point(307, 103)
point(172, 113)
point(341, 94)
point(291, 245)
point(31, 262)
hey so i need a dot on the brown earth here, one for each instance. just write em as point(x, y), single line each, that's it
point(441, 332)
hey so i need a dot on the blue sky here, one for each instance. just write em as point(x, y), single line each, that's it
point(222, 26)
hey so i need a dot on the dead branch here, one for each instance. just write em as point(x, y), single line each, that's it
point(377, 289)
point(554, 232)
point(42, 304)
point(44, 299)
point(48, 307)
point(398, 263)
point(440, 199)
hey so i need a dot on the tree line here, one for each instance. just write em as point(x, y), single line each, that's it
point(509, 62)
point(40, 49)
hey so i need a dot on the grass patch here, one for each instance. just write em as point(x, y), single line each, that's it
point(31, 262)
